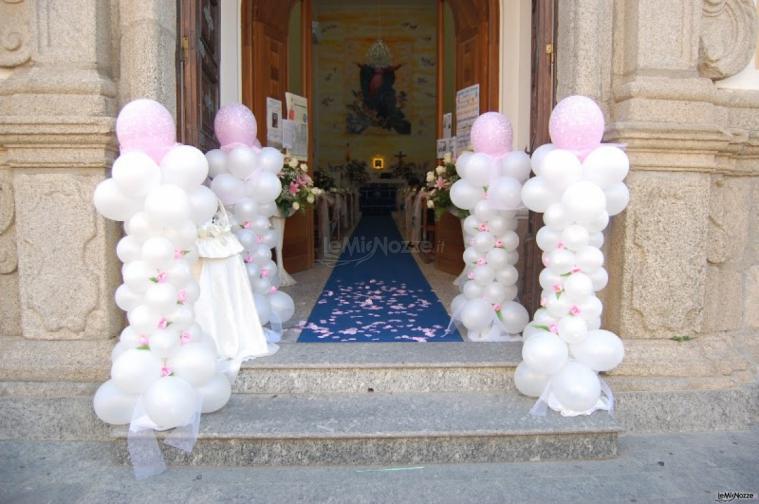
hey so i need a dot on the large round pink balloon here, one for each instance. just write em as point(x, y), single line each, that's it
point(491, 134)
point(146, 125)
point(577, 123)
point(235, 124)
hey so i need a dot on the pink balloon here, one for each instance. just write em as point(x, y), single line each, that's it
point(491, 134)
point(146, 125)
point(577, 123)
point(235, 124)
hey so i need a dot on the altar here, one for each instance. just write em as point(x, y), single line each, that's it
point(378, 196)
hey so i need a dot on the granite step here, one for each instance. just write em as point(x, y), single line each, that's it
point(314, 368)
point(387, 429)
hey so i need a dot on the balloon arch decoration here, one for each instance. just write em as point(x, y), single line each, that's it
point(164, 370)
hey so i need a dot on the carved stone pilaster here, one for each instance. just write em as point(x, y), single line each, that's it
point(728, 37)
point(15, 49)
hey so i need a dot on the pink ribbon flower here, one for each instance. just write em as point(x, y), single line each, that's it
point(470, 275)
point(483, 227)
point(181, 296)
point(248, 259)
point(264, 273)
point(273, 289)
point(576, 269)
point(575, 310)
point(143, 341)
point(557, 288)
point(499, 244)
point(554, 328)
point(162, 277)
point(178, 254)
point(163, 323)
point(561, 245)
point(247, 225)
point(497, 307)
point(481, 262)
point(185, 337)
point(165, 371)
point(543, 302)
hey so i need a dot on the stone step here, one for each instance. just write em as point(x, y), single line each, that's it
point(383, 429)
point(312, 368)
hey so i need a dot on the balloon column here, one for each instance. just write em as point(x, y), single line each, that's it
point(245, 180)
point(490, 189)
point(578, 185)
point(163, 360)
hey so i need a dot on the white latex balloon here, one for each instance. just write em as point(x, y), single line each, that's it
point(561, 261)
point(576, 387)
point(578, 287)
point(507, 275)
point(135, 174)
point(483, 275)
point(241, 161)
point(183, 235)
point(560, 169)
point(617, 198)
point(538, 156)
point(126, 299)
point(184, 166)
point(261, 255)
point(537, 195)
point(259, 224)
point(282, 306)
point(509, 240)
point(557, 305)
point(601, 350)
point(516, 164)
point(228, 188)
point(193, 363)
point(480, 168)
point(499, 225)
point(505, 193)
point(572, 329)
point(135, 370)
point(545, 353)
point(584, 201)
point(458, 304)
point(137, 275)
point(161, 297)
point(168, 205)
point(263, 308)
point(600, 279)
point(462, 162)
point(548, 279)
point(268, 209)
point(247, 238)
point(556, 217)
point(471, 255)
point(141, 227)
point(143, 318)
point(472, 290)
point(164, 343)
point(597, 224)
point(170, 402)
point(157, 252)
point(465, 195)
point(547, 239)
point(528, 381)
point(483, 241)
point(596, 239)
point(267, 186)
point(182, 316)
point(217, 162)
point(112, 405)
point(113, 204)
point(215, 394)
point(129, 249)
point(606, 165)
point(589, 259)
point(271, 160)
point(203, 205)
point(483, 211)
point(246, 210)
point(497, 258)
point(179, 274)
point(575, 237)
point(477, 315)
point(591, 309)
point(514, 317)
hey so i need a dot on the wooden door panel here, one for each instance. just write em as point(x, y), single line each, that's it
point(449, 247)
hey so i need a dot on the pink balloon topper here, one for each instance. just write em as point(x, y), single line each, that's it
point(146, 125)
point(577, 124)
point(235, 124)
point(492, 134)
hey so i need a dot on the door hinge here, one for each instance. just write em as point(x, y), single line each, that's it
point(185, 48)
point(550, 52)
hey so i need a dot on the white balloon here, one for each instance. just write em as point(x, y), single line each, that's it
point(157, 252)
point(217, 162)
point(472, 224)
point(578, 287)
point(584, 201)
point(507, 275)
point(129, 249)
point(164, 343)
point(263, 307)
point(170, 402)
point(480, 168)
point(516, 164)
point(194, 364)
point(465, 195)
point(113, 204)
point(599, 223)
point(528, 381)
point(483, 241)
point(141, 227)
point(267, 186)
point(168, 205)
point(241, 162)
point(184, 166)
point(600, 279)
point(545, 353)
point(472, 290)
point(572, 329)
point(203, 205)
point(137, 276)
point(228, 188)
point(538, 156)
point(161, 297)
point(589, 259)
point(268, 209)
point(135, 370)
point(537, 195)
point(143, 318)
point(182, 316)
point(484, 211)
point(179, 274)
point(606, 165)
point(477, 315)
point(505, 193)
point(560, 169)
point(499, 225)
point(575, 237)
point(282, 306)
point(471, 255)
point(561, 261)
point(271, 160)
point(543, 317)
point(514, 317)
point(547, 239)
point(509, 240)
point(246, 210)
point(183, 235)
point(261, 255)
point(591, 309)
point(600, 350)
point(617, 198)
point(497, 258)
point(247, 238)
point(557, 305)
point(457, 305)
point(548, 279)
point(130, 337)
point(259, 224)
point(556, 217)
point(215, 394)
point(596, 239)
point(483, 275)
point(126, 299)
point(462, 162)
point(112, 405)
point(576, 387)
point(261, 285)
point(135, 174)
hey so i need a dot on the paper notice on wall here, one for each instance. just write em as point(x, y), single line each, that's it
point(467, 110)
point(274, 123)
point(447, 125)
point(295, 136)
point(445, 146)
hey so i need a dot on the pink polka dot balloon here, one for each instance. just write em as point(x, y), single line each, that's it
point(235, 124)
point(147, 126)
point(491, 134)
point(576, 123)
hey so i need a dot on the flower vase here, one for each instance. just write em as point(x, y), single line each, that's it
point(278, 221)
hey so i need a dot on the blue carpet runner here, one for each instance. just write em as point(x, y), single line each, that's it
point(377, 293)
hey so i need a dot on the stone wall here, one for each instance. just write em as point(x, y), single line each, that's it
point(66, 66)
point(682, 258)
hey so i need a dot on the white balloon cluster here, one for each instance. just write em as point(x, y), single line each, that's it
point(163, 357)
point(246, 181)
point(490, 189)
point(564, 346)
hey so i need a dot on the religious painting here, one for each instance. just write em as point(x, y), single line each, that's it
point(376, 101)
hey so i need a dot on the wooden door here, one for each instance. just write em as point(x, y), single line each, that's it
point(198, 54)
point(264, 74)
point(542, 102)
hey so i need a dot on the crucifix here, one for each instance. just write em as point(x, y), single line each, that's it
point(400, 155)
